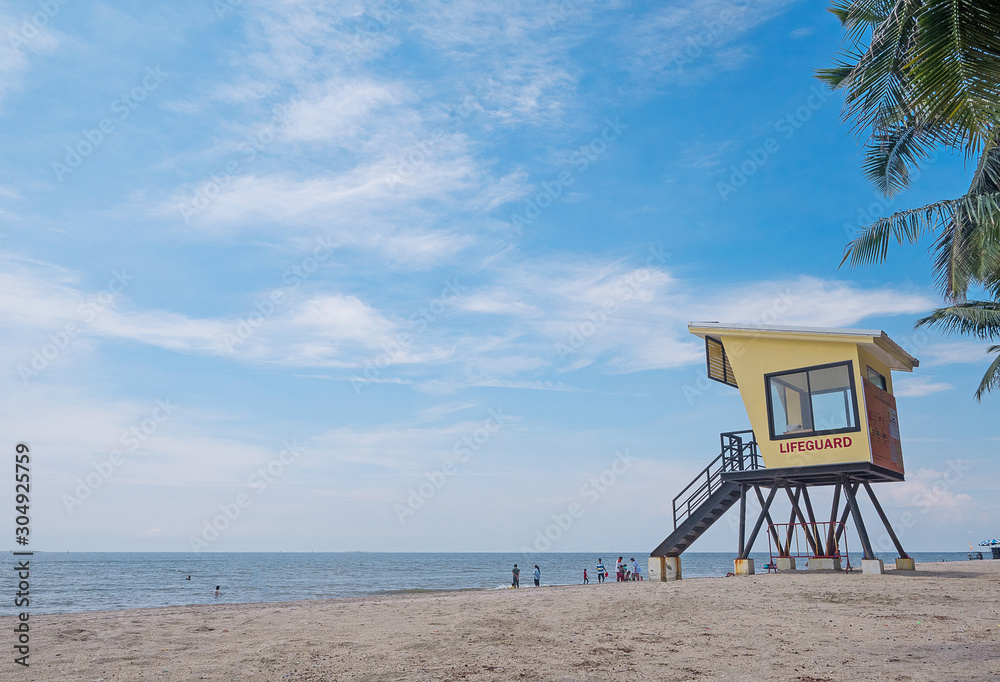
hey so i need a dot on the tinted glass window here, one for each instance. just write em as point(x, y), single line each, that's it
point(812, 401)
point(877, 379)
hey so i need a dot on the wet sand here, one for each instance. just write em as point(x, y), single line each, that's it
point(941, 622)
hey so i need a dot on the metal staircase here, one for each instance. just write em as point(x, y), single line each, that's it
point(709, 496)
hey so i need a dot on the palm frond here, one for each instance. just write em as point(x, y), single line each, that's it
point(872, 243)
point(973, 318)
point(991, 379)
point(891, 154)
point(929, 65)
point(837, 77)
point(986, 178)
point(955, 70)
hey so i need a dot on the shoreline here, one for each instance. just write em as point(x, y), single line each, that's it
point(442, 590)
point(942, 621)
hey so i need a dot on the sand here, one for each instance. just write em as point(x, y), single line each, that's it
point(941, 622)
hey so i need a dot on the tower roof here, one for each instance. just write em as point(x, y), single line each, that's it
point(876, 341)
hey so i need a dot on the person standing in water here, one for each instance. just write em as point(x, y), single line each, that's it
point(538, 575)
point(517, 577)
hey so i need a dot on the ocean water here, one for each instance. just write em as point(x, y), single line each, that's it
point(82, 581)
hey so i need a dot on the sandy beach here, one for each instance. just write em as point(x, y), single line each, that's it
point(940, 623)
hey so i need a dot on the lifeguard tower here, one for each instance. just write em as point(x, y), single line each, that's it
point(823, 414)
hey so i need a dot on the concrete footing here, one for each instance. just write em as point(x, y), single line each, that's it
point(906, 564)
point(664, 569)
point(823, 564)
point(743, 566)
point(872, 567)
point(785, 563)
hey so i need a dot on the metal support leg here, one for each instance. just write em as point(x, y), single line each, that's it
point(831, 544)
point(812, 520)
point(764, 513)
point(767, 514)
point(743, 519)
point(791, 520)
point(847, 509)
point(852, 501)
point(885, 521)
point(802, 518)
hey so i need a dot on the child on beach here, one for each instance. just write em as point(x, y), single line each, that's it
point(586, 580)
point(517, 577)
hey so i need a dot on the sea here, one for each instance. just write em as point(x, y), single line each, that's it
point(99, 581)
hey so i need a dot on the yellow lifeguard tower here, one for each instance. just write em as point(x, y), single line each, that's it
point(821, 406)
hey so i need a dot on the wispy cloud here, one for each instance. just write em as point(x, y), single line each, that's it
point(692, 42)
point(954, 353)
point(534, 318)
point(918, 387)
point(341, 111)
point(22, 36)
point(930, 489)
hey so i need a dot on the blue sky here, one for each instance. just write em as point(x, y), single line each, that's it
point(362, 242)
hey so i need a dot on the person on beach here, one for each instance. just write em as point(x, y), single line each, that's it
point(586, 580)
point(601, 571)
point(635, 569)
point(517, 577)
point(538, 575)
point(619, 570)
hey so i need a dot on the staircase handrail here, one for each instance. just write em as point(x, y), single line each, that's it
point(736, 455)
point(739, 454)
point(702, 492)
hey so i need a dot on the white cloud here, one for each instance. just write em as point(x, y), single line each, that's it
point(809, 301)
point(370, 207)
point(91, 429)
point(342, 318)
point(704, 154)
point(22, 36)
point(930, 489)
point(524, 320)
point(516, 53)
point(407, 169)
point(41, 301)
point(340, 111)
point(959, 352)
point(918, 387)
point(576, 313)
point(692, 42)
point(410, 446)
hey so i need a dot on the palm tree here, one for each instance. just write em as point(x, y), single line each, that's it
point(976, 318)
point(929, 76)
